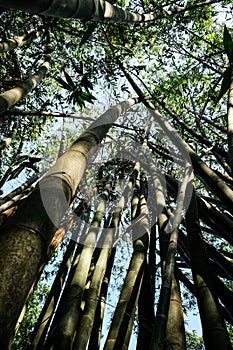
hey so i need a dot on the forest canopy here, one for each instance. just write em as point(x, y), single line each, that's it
point(116, 174)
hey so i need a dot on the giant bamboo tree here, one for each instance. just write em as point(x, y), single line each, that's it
point(179, 63)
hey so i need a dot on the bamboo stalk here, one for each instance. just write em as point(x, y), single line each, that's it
point(175, 331)
point(89, 9)
point(39, 333)
point(145, 311)
point(162, 330)
point(9, 98)
point(230, 122)
point(70, 306)
point(87, 320)
point(95, 337)
point(19, 41)
point(214, 330)
point(121, 326)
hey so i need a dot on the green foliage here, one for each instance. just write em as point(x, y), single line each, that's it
point(230, 332)
point(34, 306)
point(193, 341)
point(77, 95)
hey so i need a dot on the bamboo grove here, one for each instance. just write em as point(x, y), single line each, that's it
point(152, 172)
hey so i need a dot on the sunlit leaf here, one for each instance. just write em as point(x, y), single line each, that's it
point(87, 96)
point(80, 101)
point(168, 16)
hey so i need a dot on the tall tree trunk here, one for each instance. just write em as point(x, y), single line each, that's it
point(175, 331)
point(122, 323)
point(98, 10)
point(159, 330)
point(58, 237)
point(69, 308)
point(39, 333)
point(87, 320)
point(9, 98)
point(27, 236)
point(214, 329)
point(145, 311)
point(19, 41)
point(168, 249)
point(230, 122)
point(93, 296)
point(94, 341)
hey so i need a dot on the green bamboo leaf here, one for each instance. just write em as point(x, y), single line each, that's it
point(78, 69)
point(15, 173)
point(63, 83)
point(87, 96)
point(80, 101)
point(86, 83)
point(160, 88)
point(228, 44)
point(69, 80)
point(225, 84)
point(168, 16)
point(21, 159)
point(76, 97)
point(88, 33)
